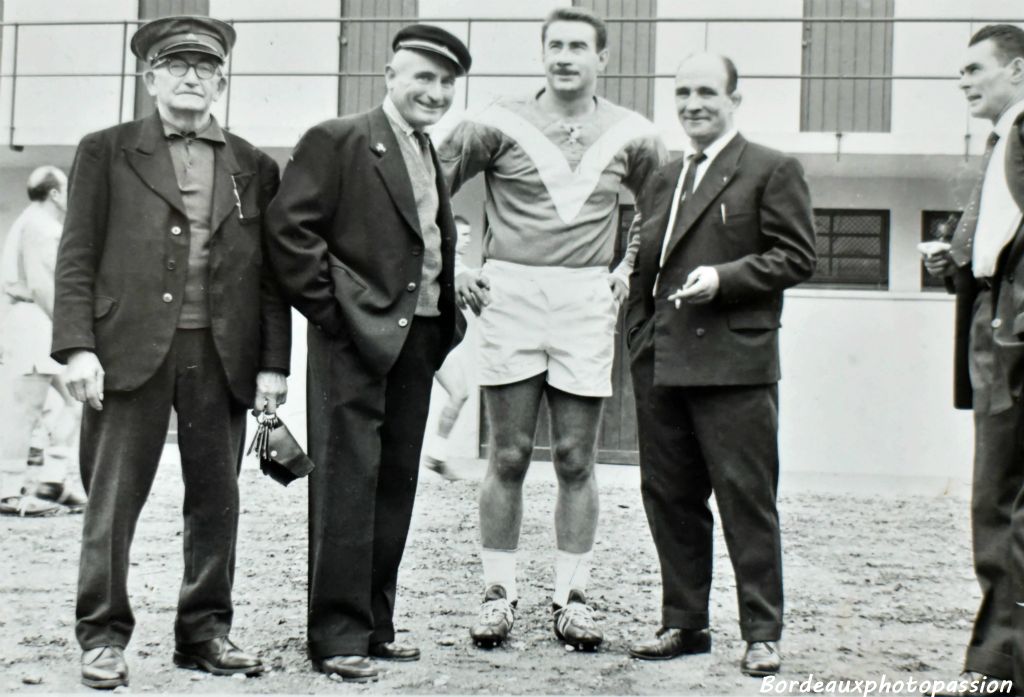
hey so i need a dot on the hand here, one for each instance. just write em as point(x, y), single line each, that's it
point(937, 260)
point(619, 288)
point(701, 287)
point(472, 290)
point(271, 392)
point(84, 378)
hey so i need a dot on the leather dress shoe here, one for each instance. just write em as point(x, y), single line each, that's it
point(672, 642)
point(351, 668)
point(218, 656)
point(104, 668)
point(390, 651)
point(761, 659)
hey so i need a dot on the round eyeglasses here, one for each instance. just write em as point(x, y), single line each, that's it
point(178, 67)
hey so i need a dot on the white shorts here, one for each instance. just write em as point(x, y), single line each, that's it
point(549, 319)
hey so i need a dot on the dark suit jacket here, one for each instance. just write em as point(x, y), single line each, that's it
point(1008, 328)
point(118, 258)
point(345, 237)
point(764, 244)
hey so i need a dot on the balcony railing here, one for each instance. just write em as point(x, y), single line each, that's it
point(14, 73)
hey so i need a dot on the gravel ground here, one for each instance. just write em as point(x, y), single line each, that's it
point(874, 585)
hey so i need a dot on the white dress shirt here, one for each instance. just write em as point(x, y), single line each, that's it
point(710, 152)
point(998, 215)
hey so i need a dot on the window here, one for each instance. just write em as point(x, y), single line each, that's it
point(849, 57)
point(936, 225)
point(366, 47)
point(853, 248)
point(631, 45)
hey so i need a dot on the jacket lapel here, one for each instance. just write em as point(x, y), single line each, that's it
point(720, 172)
point(151, 160)
point(391, 167)
point(229, 185)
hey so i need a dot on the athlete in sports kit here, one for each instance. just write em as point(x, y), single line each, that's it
point(554, 165)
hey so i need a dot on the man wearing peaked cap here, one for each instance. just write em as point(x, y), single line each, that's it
point(162, 299)
point(363, 243)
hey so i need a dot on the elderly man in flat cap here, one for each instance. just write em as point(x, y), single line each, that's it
point(363, 242)
point(163, 300)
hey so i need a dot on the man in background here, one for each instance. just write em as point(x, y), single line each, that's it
point(29, 379)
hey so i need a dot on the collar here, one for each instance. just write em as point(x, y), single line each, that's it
point(211, 132)
point(712, 150)
point(1002, 126)
point(396, 117)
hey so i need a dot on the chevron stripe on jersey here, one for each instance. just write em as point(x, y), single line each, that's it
point(568, 189)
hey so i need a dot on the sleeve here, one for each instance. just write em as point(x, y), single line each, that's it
point(466, 151)
point(275, 313)
point(38, 258)
point(646, 157)
point(299, 219)
point(787, 225)
point(80, 251)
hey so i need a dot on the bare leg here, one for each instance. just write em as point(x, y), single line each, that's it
point(512, 414)
point(574, 424)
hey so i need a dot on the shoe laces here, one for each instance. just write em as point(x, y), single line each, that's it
point(579, 615)
point(496, 611)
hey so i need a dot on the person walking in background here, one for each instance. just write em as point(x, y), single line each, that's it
point(729, 226)
point(28, 375)
point(453, 378)
point(163, 300)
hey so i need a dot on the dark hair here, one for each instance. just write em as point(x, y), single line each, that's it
point(1008, 40)
point(577, 14)
point(732, 77)
point(459, 218)
point(41, 189)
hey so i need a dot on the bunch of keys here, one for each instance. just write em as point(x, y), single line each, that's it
point(261, 441)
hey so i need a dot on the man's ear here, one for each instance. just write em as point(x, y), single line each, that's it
point(150, 79)
point(736, 98)
point(602, 57)
point(389, 73)
point(1016, 67)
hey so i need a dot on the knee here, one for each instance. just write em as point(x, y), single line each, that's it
point(574, 461)
point(512, 458)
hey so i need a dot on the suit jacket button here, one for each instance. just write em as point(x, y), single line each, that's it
point(175, 230)
point(700, 331)
point(411, 287)
point(403, 322)
point(1009, 278)
point(171, 265)
point(168, 297)
point(417, 251)
point(996, 323)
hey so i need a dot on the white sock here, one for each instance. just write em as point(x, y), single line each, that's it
point(500, 570)
point(572, 572)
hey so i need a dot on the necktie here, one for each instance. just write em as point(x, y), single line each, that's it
point(424, 142)
point(186, 135)
point(691, 175)
point(963, 237)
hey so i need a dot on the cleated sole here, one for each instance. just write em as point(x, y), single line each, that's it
point(111, 684)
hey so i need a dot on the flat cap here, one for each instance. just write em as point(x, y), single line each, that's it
point(431, 39)
point(168, 35)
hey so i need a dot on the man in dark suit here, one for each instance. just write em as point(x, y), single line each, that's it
point(162, 299)
point(730, 228)
point(363, 242)
point(982, 266)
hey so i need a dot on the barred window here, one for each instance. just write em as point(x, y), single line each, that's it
point(853, 248)
point(936, 225)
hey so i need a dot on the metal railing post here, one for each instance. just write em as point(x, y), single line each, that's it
point(14, 85)
point(124, 55)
